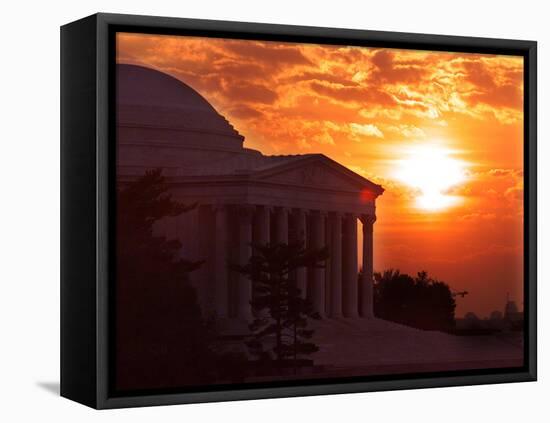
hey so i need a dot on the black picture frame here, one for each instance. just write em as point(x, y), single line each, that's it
point(87, 187)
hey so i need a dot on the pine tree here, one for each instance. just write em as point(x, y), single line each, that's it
point(279, 330)
point(161, 338)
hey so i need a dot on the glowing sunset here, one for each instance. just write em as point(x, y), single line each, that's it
point(433, 172)
point(441, 132)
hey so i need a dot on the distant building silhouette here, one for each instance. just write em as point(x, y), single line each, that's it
point(496, 315)
point(511, 319)
point(511, 312)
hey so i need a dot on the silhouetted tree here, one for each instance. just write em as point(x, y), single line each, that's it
point(420, 302)
point(161, 338)
point(280, 327)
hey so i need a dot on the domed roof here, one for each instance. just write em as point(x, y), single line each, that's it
point(138, 85)
point(149, 98)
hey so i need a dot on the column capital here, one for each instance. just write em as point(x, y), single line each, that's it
point(322, 213)
point(299, 210)
point(367, 219)
point(282, 209)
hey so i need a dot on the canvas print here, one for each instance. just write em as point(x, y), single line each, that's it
point(290, 212)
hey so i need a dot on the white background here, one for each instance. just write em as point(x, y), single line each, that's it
point(29, 235)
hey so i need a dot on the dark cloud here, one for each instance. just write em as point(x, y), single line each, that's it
point(383, 60)
point(245, 112)
point(387, 70)
point(238, 70)
point(269, 54)
point(312, 107)
point(477, 74)
point(499, 96)
point(488, 91)
point(247, 91)
point(365, 95)
point(322, 77)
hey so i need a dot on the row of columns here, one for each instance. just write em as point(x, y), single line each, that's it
point(333, 290)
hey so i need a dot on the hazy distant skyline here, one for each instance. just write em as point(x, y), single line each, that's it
point(441, 132)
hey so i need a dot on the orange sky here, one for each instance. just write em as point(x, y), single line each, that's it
point(441, 132)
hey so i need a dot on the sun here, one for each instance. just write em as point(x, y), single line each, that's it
point(432, 170)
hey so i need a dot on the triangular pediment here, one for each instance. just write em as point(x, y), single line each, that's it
point(317, 171)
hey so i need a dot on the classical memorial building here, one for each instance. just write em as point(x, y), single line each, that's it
point(244, 196)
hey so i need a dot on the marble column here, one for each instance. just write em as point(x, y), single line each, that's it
point(300, 231)
point(350, 282)
point(261, 236)
point(367, 279)
point(281, 225)
point(317, 237)
point(263, 219)
point(221, 276)
point(244, 310)
point(336, 265)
